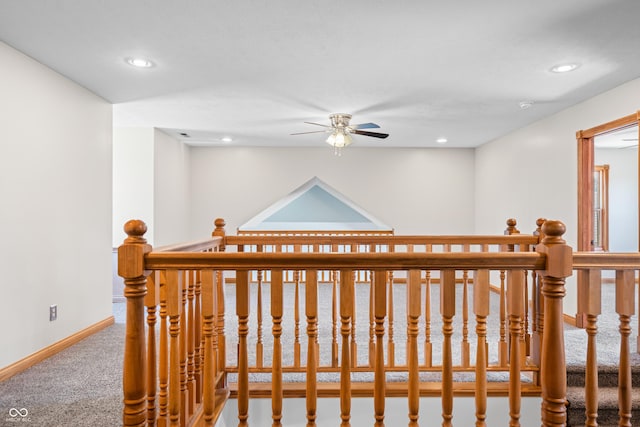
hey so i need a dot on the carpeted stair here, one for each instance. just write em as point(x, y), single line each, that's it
point(607, 397)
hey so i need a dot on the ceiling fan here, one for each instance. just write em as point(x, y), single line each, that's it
point(340, 131)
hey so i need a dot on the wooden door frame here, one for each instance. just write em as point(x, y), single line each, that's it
point(586, 165)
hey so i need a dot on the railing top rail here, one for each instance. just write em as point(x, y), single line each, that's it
point(514, 239)
point(314, 232)
point(336, 261)
point(194, 246)
point(606, 260)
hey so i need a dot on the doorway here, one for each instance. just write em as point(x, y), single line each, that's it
point(613, 147)
point(616, 155)
point(616, 191)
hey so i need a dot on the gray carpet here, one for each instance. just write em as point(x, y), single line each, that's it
point(81, 386)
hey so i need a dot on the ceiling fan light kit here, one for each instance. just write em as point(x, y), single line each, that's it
point(340, 131)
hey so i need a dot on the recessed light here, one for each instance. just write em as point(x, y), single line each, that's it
point(525, 104)
point(441, 140)
point(227, 139)
point(139, 62)
point(564, 68)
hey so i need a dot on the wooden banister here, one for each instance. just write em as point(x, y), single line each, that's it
point(180, 383)
point(388, 261)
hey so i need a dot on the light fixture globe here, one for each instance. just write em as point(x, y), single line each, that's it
point(339, 139)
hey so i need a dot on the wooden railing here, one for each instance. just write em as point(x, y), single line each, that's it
point(590, 265)
point(171, 374)
point(188, 379)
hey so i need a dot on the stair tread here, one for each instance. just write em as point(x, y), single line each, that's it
point(607, 397)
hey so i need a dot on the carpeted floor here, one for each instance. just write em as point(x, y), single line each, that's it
point(81, 386)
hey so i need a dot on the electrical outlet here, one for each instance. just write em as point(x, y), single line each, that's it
point(53, 312)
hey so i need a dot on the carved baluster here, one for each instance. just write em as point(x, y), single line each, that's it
point(259, 345)
point(208, 357)
point(625, 307)
point(464, 346)
point(428, 346)
point(589, 302)
point(538, 305)
point(296, 313)
point(220, 329)
point(354, 345)
point(372, 324)
point(523, 336)
point(151, 300)
point(131, 269)
point(334, 314)
point(380, 303)
point(391, 347)
point(276, 366)
point(516, 310)
point(190, 344)
point(311, 309)
point(553, 374)
point(504, 317)
point(503, 353)
point(447, 311)
point(184, 333)
point(525, 329)
point(197, 326)
point(218, 376)
point(242, 311)
point(413, 314)
point(220, 333)
point(163, 358)
point(346, 313)
point(481, 304)
point(174, 305)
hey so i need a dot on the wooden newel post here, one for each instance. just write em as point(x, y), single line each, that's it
point(511, 227)
point(219, 231)
point(131, 268)
point(553, 371)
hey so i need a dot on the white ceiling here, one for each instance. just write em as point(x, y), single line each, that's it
point(256, 70)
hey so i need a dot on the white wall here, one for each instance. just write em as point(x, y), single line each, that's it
point(427, 191)
point(151, 183)
point(133, 180)
point(55, 221)
point(171, 189)
point(532, 172)
point(623, 197)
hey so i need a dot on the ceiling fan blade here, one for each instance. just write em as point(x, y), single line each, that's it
point(315, 131)
point(374, 134)
point(364, 126)
point(317, 124)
